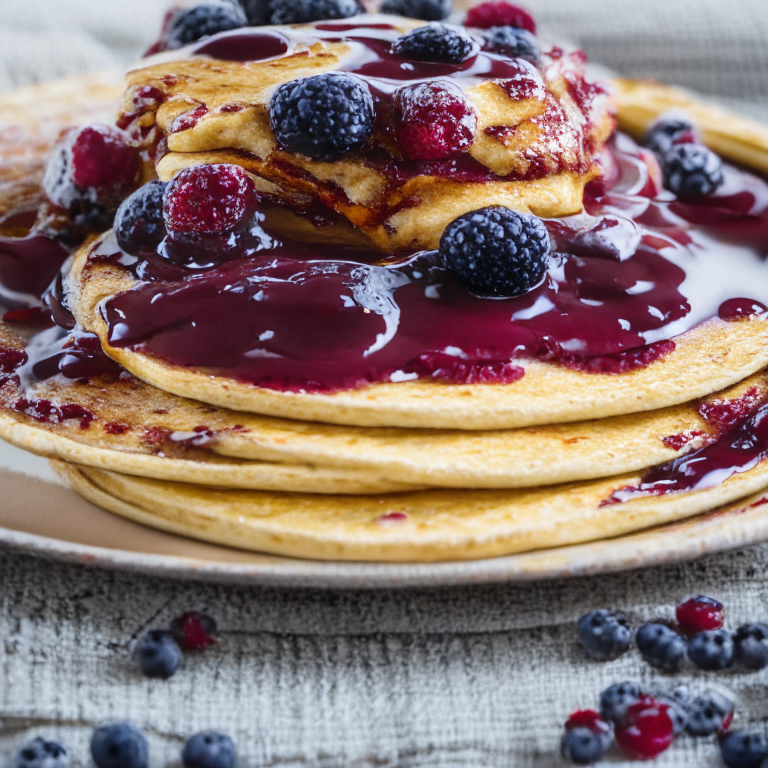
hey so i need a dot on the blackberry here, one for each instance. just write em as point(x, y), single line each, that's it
point(661, 646)
point(617, 699)
point(209, 750)
point(586, 739)
point(40, 753)
point(426, 10)
point(120, 745)
point(711, 650)
point(194, 24)
point(496, 252)
point(159, 654)
point(324, 117)
point(604, 635)
point(743, 750)
point(436, 42)
point(664, 134)
point(512, 42)
point(692, 171)
point(259, 12)
point(139, 226)
point(304, 11)
point(751, 646)
point(709, 713)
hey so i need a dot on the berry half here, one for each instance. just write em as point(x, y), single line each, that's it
point(436, 42)
point(699, 614)
point(324, 117)
point(209, 200)
point(496, 252)
point(433, 120)
point(604, 635)
point(649, 730)
point(499, 13)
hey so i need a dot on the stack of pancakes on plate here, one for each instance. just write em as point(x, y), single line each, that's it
point(595, 425)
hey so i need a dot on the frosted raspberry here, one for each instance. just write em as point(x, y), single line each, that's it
point(499, 13)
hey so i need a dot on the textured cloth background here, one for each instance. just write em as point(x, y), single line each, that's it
point(464, 678)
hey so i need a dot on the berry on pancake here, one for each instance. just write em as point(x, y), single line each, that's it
point(426, 10)
point(513, 42)
point(436, 42)
point(305, 11)
point(139, 225)
point(194, 24)
point(323, 117)
point(692, 171)
point(499, 13)
point(496, 252)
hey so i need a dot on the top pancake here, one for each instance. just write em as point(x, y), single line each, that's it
point(536, 138)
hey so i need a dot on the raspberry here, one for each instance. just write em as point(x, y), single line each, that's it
point(304, 11)
point(499, 13)
point(692, 171)
point(743, 750)
point(194, 631)
point(436, 42)
point(512, 42)
point(711, 650)
point(324, 117)
point(751, 646)
point(604, 635)
point(40, 753)
point(89, 172)
point(159, 654)
point(665, 133)
point(433, 120)
point(209, 200)
point(139, 226)
point(699, 614)
point(649, 730)
point(496, 252)
point(426, 10)
point(120, 745)
point(587, 738)
point(661, 646)
point(204, 20)
point(208, 750)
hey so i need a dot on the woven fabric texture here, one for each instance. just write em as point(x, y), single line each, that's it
point(477, 677)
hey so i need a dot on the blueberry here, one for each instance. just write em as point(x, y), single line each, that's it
point(120, 745)
point(159, 654)
point(202, 21)
point(604, 635)
point(586, 738)
point(617, 699)
point(139, 226)
point(743, 750)
point(496, 252)
point(323, 117)
point(513, 42)
point(209, 750)
point(708, 713)
point(259, 12)
point(751, 646)
point(426, 10)
point(436, 42)
point(304, 11)
point(664, 134)
point(40, 753)
point(661, 646)
point(692, 171)
point(711, 650)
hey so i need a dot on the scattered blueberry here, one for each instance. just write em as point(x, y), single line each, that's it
point(751, 646)
point(500, 13)
point(194, 631)
point(426, 10)
point(159, 654)
point(711, 650)
point(604, 635)
point(709, 713)
point(209, 750)
point(587, 738)
point(204, 20)
point(699, 614)
point(743, 750)
point(436, 42)
point(324, 117)
point(304, 11)
point(617, 699)
point(209, 200)
point(692, 171)
point(661, 646)
point(139, 226)
point(496, 252)
point(40, 753)
point(120, 745)
point(664, 134)
point(513, 42)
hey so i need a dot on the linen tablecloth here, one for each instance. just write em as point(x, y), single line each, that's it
point(454, 678)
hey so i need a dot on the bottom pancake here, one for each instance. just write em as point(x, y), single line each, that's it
point(426, 526)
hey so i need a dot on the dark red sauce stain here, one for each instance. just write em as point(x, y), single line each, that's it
point(27, 266)
point(116, 428)
point(737, 309)
point(677, 442)
point(253, 46)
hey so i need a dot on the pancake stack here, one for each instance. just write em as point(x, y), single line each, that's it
point(318, 383)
